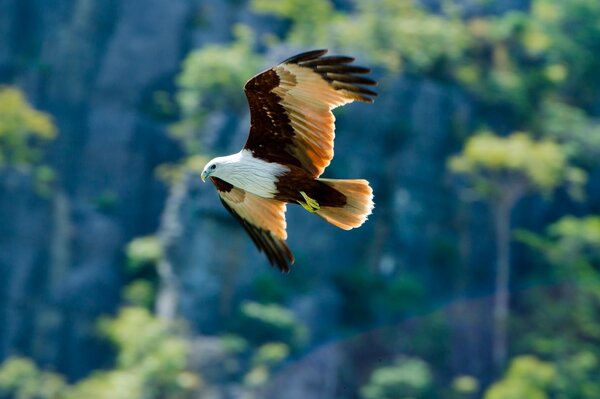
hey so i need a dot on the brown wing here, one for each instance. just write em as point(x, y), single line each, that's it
point(291, 103)
point(262, 218)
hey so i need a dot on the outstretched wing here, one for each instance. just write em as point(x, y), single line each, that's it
point(262, 218)
point(290, 108)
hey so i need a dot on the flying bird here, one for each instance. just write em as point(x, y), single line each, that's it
point(289, 146)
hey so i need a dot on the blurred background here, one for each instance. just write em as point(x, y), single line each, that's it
point(477, 276)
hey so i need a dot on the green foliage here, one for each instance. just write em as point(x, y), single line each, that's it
point(212, 79)
point(465, 386)
point(571, 47)
point(527, 377)
point(512, 60)
point(401, 34)
point(256, 362)
point(140, 292)
point(264, 323)
point(265, 359)
point(393, 34)
point(142, 257)
point(370, 297)
point(572, 246)
point(256, 353)
point(107, 201)
point(495, 164)
point(219, 70)
point(577, 236)
point(271, 353)
point(521, 57)
point(407, 378)
point(20, 378)
point(113, 384)
point(268, 287)
point(306, 27)
point(403, 294)
point(509, 59)
point(234, 344)
point(571, 126)
point(577, 376)
point(174, 173)
point(151, 361)
point(23, 130)
point(358, 287)
point(573, 354)
point(143, 252)
point(45, 178)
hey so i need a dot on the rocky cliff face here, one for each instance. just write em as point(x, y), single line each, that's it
point(95, 66)
point(92, 65)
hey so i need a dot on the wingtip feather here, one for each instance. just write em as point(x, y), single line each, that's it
point(307, 55)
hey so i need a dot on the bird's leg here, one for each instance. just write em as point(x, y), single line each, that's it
point(310, 204)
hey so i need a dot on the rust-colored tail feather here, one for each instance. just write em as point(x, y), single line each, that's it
point(359, 203)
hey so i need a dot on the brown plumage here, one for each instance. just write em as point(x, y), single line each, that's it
point(289, 146)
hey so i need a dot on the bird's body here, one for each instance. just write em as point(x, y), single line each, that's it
point(249, 173)
point(289, 146)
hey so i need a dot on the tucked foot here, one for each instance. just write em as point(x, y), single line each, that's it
point(310, 204)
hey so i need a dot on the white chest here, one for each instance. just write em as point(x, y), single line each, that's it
point(253, 174)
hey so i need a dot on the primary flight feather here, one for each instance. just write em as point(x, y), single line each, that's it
point(290, 144)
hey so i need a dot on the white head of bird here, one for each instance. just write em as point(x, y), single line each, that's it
point(219, 167)
point(247, 172)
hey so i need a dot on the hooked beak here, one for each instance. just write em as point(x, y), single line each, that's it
point(204, 175)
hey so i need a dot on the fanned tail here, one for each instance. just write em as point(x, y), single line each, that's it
point(359, 203)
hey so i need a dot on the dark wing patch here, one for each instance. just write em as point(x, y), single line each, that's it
point(306, 56)
point(270, 128)
point(290, 108)
point(341, 76)
point(262, 218)
point(277, 251)
point(221, 185)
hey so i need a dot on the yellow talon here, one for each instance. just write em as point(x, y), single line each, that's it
point(310, 205)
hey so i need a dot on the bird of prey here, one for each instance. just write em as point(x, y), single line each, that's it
point(289, 146)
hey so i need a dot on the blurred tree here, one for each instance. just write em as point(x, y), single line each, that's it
point(23, 130)
point(264, 323)
point(20, 378)
point(143, 252)
point(305, 27)
point(500, 171)
point(151, 361)
point(575, 247)
point(143, 256)
point(567, 53)
point(519, 59)
point(527, 377)
point(561, 324)
point(571, 126)
point(465, 387)
point(265, 358)
point(140, 292)
point(267, 336)
point(406, 378)
point(212, 79)
point(572, 247)
point(573, 377)
point(393, 34)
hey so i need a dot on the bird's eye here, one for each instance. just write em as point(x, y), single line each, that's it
point(213, 166)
